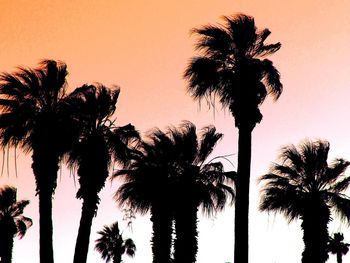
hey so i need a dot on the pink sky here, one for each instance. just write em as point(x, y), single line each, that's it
point(144, 46)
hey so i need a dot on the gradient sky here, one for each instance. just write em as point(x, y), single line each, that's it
point(144, 47)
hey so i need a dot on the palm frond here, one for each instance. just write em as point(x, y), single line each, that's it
point(209, 139)
point(340, 203)
point(272, 79)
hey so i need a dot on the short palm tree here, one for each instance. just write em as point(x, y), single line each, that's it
point(99, 140)
point(170, 178)
point(112, 246)
point(148, 187)
point(32, 118)
point(337, 246)
point(232, 67)
point(12, 221)
point(304, 186)
point(197, 183)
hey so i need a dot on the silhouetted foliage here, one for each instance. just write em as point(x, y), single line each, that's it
point(197, 183)
point(337, 246)
point(32, 117)
point(168, 176)
point(12, 221)
point(232, 67)
point(304, 186)
point(112, 246)
point(99, 140)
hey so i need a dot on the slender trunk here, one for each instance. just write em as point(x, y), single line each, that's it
point(46, 229)
point(83, 238)
point(161, 218)
point(242, 195)
point(45, 167)
point(186, 242)
point(339, 257)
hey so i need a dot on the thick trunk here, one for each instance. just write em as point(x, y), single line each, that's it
point(161, 218)
point(83, 238)
point(242, 195)
point(117, 258)
point(7, 246)
point(186, 241)
point(314, 225)
point(45, 167)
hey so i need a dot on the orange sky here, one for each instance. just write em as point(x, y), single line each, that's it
point(144, 46)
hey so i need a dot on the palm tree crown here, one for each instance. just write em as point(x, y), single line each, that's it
point(112, 246)
point(232, 66)
point(29, 99)
point(12, 221)
point(306, 187)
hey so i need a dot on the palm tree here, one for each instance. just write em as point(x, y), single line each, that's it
point(147, 187)
point(112, 246)
point(12, 221)
point(169, 178)
point(198, 183)
point(99, 139)
point(337, 246)
point(32, 118)
point(304, 186)
point(232, 67)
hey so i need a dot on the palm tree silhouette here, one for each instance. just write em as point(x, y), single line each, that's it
point(169, 177)
point(147, 187)
point(32, 118)
point(198, 183)
point(12, 221)
point(337, 246)
point(99, 140)
point(112, 246)
point(304, 186)
point(232, 67)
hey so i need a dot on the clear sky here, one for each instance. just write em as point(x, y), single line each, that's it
point(144, 47)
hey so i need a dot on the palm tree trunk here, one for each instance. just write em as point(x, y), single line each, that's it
point(186, 242)
point(83, 239)
point(117, 257)
point(314, 225)
point(242, 195)
point(45, 167)
point(7, 246)
point(339, 257)
point(46, 229)
point(161, 218)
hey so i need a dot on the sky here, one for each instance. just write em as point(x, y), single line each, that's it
point(144, 47)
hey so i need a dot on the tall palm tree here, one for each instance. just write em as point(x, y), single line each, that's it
point(170, 178)
point(99, 140)
point(197, 183)
point(112, 246)
point(232, 67)
point(304, 186)
point(337, 246)
point(32, 118)
point(12, 221)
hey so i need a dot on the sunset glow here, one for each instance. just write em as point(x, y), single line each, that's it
point(144, 47)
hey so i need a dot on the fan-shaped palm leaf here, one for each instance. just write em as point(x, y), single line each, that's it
point(304, 186)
